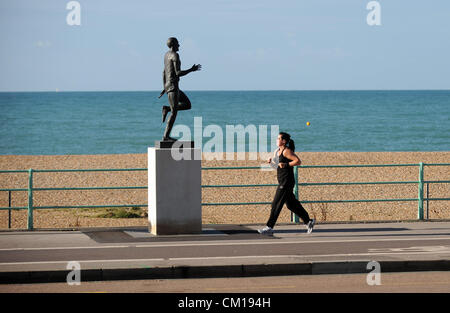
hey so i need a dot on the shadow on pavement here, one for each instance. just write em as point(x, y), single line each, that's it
point(215, 232)
point(341, 230)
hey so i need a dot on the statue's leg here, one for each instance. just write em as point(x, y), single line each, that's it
point(173, 101)
point(183, 102)
point(165, 111)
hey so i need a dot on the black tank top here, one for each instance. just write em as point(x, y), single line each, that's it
point(285, 175)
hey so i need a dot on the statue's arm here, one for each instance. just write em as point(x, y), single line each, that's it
point(164, 85)
point(177, 66)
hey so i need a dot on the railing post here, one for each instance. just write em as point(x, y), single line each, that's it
point(30, 200)
point(294, 217)
point(420, 205)
point(428, 196)
point(9, 211)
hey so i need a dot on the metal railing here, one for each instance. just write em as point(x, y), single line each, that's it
point(30, 207)
point(420, 183)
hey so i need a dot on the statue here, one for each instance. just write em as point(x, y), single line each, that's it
point(178, 101)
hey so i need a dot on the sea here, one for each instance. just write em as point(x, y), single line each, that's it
point(68, 123)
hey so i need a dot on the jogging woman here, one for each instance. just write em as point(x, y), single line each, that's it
point(287, 159)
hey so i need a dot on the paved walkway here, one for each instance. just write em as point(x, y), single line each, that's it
point(224, 251)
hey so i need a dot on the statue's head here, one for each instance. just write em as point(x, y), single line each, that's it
point(172, 42)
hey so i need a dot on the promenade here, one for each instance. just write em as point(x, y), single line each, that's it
point(223, 251)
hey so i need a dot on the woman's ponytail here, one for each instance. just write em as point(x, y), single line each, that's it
point(291, 145)
point(289, 142)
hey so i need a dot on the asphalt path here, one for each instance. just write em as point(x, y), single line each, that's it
point(226, 250)
point(416, 282)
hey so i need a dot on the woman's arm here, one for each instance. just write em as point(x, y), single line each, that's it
point(291, 156)
point(269, 160)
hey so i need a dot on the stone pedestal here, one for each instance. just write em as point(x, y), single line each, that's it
point(174, 189)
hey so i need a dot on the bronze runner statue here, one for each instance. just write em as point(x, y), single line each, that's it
point(178, 101)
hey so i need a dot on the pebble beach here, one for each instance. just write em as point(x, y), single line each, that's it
point(73, 218)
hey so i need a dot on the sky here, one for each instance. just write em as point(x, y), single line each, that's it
point(241, 45)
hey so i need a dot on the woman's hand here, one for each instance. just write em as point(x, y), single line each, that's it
point(269, 160)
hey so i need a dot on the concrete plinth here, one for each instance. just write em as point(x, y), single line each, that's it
point(174, 191)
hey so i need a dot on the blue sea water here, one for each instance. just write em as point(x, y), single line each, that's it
point(48, 123)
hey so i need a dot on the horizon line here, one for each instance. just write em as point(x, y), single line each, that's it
point(216, 90)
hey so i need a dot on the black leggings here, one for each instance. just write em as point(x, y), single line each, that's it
point(284, 195)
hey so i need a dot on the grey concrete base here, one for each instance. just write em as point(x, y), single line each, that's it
point(170, 227)
point(174, 191)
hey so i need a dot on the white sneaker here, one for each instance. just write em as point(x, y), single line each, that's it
point(266, 231)
point(310, 226)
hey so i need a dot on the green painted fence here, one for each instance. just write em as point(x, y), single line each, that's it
point(420, 183)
